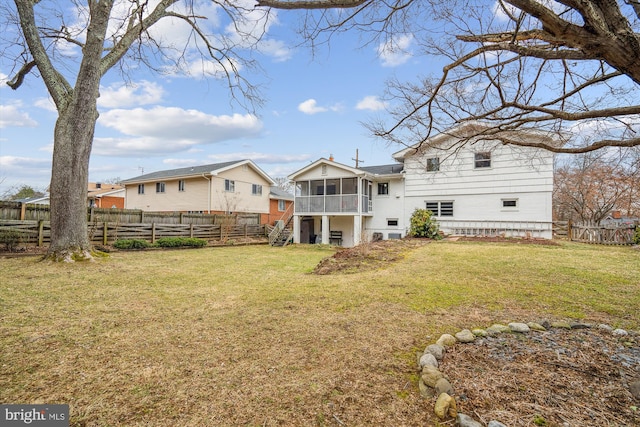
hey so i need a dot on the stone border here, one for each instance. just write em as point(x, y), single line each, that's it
point(434, 383)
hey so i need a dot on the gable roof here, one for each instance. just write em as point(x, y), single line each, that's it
point(195, 171)
point(325, 161)
point(471, 129)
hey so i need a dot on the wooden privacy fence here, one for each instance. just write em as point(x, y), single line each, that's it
point(35, 212)
point(39, 232)
point(597, 234)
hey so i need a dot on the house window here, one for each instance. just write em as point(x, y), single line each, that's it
point(140, 188)
point(433, 164)
point(181, 185)
point(440, 208)
point(392, 222)
point(282, 205)
point(383, 188)
point(323, 170)
point(509, 203)
point(160, 187)
point(229, 185)
point(256, 189)
point(483, 160)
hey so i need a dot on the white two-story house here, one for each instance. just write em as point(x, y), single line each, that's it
point(481, 187)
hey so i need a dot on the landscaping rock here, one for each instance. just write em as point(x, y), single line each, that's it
point(579, 325)
point(465, 336)
point(479, 332)
point(428, 359)
point(443, 386)
point(425, 391)
point(445, 405)
point(519, 327)
point(561, 325)
point(536, 327)
point(620, 332)
point(431, 375)
point(494, 423)
point(437, 350)
point(446, 340)
point(467, 421)
point(605, 327)
point(497, 329)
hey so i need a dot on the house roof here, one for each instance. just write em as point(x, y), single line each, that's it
point(391, 169)
point(278, 193)
point(192, 171)
point(104, 190)
point(471, 129)
point(321, 161)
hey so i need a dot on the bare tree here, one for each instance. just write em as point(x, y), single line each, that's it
point(591, 186)
point(568, 68)
point(110, 34)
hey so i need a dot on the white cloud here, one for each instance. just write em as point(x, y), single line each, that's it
point(46, 104)
point(32, 171)
point(121, 95)
point(261, 157)
point(162, 130)
point(396, 51)
point(10, 115)
point(310, 106)
point(372, 103)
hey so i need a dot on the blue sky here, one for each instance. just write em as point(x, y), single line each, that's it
point(314, 108)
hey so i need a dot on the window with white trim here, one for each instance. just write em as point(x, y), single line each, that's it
point(229, 186)
point(392, 222)
point(383, 188)
point(282, 205)
point(482, 160)
point(439, 208)
point(140, 188)
point(510, 203)
point(256, 189)
point(160, 186)
point(181, 185)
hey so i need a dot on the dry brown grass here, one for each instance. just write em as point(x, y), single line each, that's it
point(248, 336)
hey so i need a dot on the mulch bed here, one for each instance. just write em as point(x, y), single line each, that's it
point(554, 378)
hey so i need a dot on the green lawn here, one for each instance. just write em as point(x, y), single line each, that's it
point(248, 336)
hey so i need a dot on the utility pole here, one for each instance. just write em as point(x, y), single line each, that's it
point(358, 161)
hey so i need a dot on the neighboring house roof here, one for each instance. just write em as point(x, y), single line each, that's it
point(97, 191)
point(277, 193)
point(34, 200)
point(480, 129)
point(392, 169)
point(194, 171)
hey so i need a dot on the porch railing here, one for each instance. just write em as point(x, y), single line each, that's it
point(339, 203)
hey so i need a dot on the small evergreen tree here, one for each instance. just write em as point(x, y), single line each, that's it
point(424, 225)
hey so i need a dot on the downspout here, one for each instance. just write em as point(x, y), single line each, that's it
point(208, 194)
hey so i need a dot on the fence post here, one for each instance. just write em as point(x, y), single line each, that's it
point(153, 232)
point(191, 230)
point(105, 230)
point(40, 233)
point(245, 231)
point(570, 230)
point(23, 210)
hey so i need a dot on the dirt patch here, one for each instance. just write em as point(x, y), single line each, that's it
point(368, 256)
point(554, 378)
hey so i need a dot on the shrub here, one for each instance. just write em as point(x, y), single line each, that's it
point(424, 225)
point(132, 244)
point(11, 239)
point(176, 242)
point(636, 236)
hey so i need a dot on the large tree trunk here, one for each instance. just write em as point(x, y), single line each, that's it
point(70, 174)
point(73, 138)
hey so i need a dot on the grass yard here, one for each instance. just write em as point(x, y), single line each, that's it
point(249, 336)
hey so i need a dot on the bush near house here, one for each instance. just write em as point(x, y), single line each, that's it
point(11, 239)
point(131, 244)
point(177, 242)
point(424, 225)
